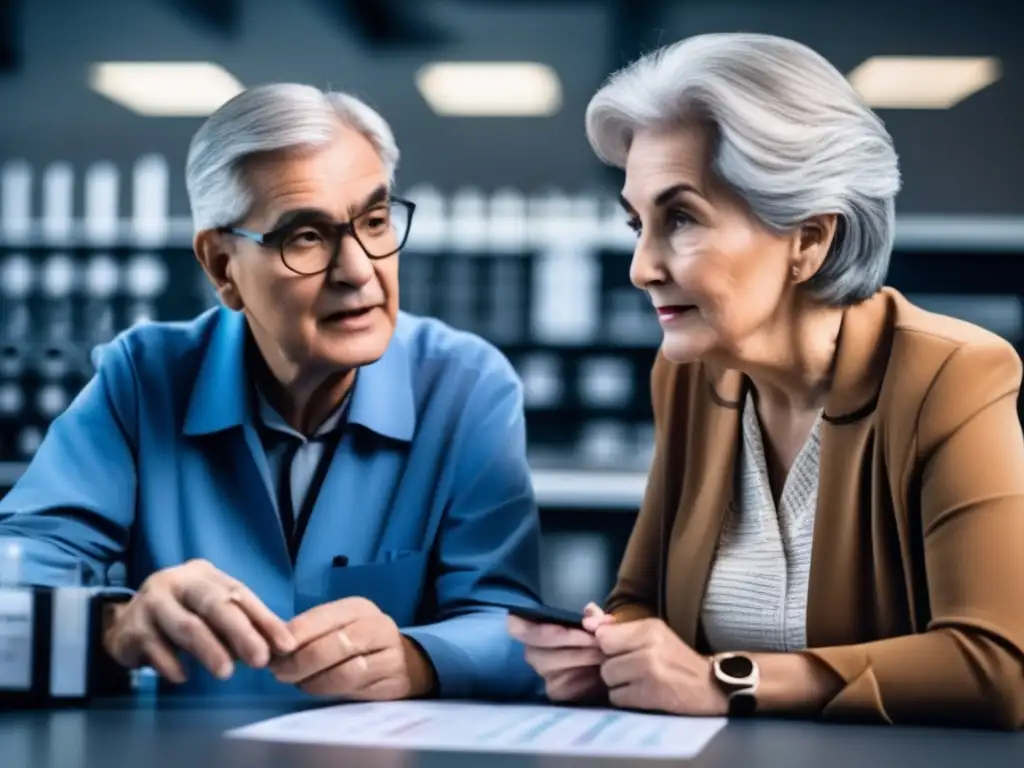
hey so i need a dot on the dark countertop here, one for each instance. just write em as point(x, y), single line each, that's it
point(188, 734)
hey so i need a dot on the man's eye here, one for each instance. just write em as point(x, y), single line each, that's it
point(306, 236)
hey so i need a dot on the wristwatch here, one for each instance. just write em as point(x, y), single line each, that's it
point(738, 676)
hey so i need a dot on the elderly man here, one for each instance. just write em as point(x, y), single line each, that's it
point(310, 489)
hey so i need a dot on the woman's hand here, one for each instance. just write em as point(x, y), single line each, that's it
point(594, 617)
point(646, 666)
point(569, 660)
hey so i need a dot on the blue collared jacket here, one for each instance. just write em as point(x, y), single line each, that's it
point(429, 495)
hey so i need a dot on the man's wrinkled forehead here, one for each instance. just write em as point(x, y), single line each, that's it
point(342, 179)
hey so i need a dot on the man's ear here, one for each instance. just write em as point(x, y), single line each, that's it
point(814, 240)
point(212, 252)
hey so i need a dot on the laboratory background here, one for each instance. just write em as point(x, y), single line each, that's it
point(517, 236)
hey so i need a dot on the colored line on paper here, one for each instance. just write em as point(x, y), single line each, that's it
point(653, 739)
point(543, 726)
point(407, 727)
point(588, 736)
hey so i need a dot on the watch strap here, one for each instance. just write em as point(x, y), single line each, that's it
point(738, 677)
point(742, 704)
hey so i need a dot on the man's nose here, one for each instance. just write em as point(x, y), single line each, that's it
point(351, 265)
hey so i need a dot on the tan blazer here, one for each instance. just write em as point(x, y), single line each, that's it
point(916, 594)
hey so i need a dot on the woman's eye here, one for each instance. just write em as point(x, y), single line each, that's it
point(634, 224)
point(678, 218)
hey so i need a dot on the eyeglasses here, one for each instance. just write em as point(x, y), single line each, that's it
point(312, 246)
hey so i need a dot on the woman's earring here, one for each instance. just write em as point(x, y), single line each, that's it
point(795, 272)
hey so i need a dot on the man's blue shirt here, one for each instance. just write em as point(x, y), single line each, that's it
point(428, 496)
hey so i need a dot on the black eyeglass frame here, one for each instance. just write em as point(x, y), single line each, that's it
point(276, 237)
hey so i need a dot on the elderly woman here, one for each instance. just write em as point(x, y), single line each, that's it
point(834, 520)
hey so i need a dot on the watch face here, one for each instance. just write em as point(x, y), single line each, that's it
point(737, 667)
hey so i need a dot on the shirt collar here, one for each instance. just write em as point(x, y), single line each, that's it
point(271, 419)
point(383, 402)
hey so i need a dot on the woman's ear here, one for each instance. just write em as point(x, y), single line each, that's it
point(212, 252)
point(814, 240)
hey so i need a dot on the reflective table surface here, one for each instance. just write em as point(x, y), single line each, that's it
point(182, 733)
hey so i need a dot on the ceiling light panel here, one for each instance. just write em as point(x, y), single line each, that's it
point(490, 89)
point(165, 89)
point(923, 82)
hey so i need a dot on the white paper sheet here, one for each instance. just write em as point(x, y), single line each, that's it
point(456, 726)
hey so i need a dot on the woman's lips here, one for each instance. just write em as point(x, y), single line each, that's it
point(670, 312)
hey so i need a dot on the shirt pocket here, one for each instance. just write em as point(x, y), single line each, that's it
point(394, 582)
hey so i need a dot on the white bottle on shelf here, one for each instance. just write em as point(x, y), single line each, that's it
point(10, 563)
point(17, 614)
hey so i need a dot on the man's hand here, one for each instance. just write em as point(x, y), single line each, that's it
point(351, 648)
point(200, 610)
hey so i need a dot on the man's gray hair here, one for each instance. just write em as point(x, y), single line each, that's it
point(792, 138)
point(269, 118)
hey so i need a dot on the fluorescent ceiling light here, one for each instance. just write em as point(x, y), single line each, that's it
point(165, 89)
point(922, 82)
point(490, 89)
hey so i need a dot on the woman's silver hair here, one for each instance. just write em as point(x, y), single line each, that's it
point(792, 138)
point(269, 118)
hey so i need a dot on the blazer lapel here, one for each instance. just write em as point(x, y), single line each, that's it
point(713, 427)
point(843, 592)
point(837, 609)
